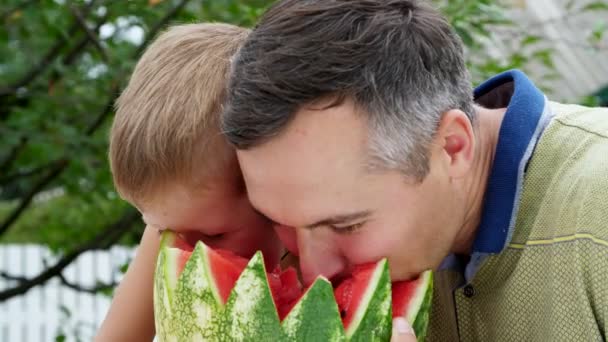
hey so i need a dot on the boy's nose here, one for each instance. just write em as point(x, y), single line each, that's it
point(318, 254)
point(288, 237)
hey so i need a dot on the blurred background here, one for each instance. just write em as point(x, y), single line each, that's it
point(66, 237)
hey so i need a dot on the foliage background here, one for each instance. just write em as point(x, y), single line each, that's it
point(62, 65)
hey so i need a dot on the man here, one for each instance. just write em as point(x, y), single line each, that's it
point(358, 133)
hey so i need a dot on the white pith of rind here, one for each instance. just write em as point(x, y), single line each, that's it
point(417, 299)
point(170, 270)
point(253, 293)
point(202, 309)
point(251, 286)
point(208, 272)
point(171, 257)
point(367, 297)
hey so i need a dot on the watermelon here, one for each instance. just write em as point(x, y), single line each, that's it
point(205, 294)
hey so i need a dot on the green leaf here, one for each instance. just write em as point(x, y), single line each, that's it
point(65, 311)
point(531, 40)
point(597, 34)
point(124, 267)
point(569, 4)
point(595, 6)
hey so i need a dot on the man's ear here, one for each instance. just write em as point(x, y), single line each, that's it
point(456, 142)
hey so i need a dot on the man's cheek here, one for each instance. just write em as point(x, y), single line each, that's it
point(365, 246)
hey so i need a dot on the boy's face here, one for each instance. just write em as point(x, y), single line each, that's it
point(219, 214)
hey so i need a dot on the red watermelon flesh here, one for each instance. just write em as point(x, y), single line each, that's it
point(351, 290)
point(186, 249)
point(182, 244)
point(403, 291)
point(227, 267)
point(287, 290)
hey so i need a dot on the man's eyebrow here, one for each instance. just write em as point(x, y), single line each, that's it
point(334, 220)
point(340, 219)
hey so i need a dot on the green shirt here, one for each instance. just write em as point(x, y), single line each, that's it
point(549, 280)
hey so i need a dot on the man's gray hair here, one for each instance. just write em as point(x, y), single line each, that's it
point(399, 61)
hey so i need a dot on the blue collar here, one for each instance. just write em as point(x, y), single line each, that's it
point(521, 127)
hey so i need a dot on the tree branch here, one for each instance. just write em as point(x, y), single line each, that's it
point(105, 239)
point(46, 61)
point(92, 290)
point(12, 155)
point(25, 201)
point(104, 113)
point(13, 10)
point(114, 93)
point(27, 173)
point(8, 276)
point(160, 25)
point(70, 56)
point(106, 110)
point(91, 35)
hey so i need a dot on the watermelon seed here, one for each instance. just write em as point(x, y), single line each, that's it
point(342, 313)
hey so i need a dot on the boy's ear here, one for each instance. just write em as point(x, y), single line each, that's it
point(456, 140)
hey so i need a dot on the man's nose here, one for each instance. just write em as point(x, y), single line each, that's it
point(318, 254)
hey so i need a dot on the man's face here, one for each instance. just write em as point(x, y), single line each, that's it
point(334, 213)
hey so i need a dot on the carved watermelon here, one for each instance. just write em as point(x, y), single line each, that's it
point(201, 294)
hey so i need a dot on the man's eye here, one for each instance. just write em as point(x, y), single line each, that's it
point(352, 228)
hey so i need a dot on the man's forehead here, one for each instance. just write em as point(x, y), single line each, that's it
point(308, 171)
point(315, 144)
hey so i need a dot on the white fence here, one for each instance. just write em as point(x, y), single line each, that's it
point(54, 309)
point(582, 70)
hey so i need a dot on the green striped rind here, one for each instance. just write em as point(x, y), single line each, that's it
point(315, 317)
point(188, 308)
point(373, 320)
point(191, 297)
point(420, 321)
point(196, 300)
point(425, 284)
point(251, 313)
point(164, 287)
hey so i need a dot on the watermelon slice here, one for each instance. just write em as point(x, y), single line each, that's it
point(206, 294)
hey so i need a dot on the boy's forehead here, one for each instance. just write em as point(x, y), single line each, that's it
point(171, 208)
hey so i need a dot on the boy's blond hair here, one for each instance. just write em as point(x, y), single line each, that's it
point(166, 129)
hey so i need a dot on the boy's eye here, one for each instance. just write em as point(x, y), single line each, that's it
point(193, 237)
point(214, 236)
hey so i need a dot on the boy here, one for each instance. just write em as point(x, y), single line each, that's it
point(169, 160)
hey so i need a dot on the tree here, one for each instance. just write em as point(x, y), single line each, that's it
point(65, 62)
